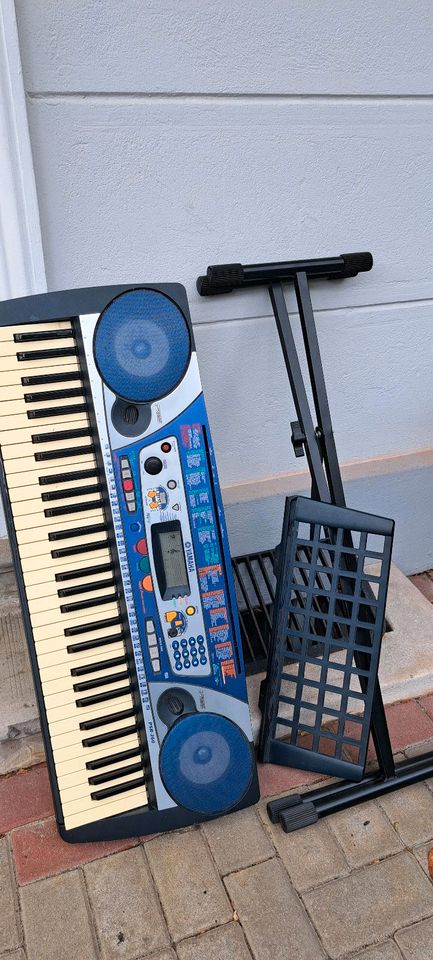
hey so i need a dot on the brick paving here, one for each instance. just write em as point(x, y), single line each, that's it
point(355, 886)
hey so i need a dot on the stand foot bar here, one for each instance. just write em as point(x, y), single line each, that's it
point(338, 796)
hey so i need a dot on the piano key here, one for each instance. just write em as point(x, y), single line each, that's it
point(71, 549)
point(81, 762)
point(91, 569)
point(16, 429)
point(65, 493)
point(61, 617)
point(82, 776)
point(60, 530)
point(87, 669)
point(67, 719)
point(57, 694)
point(42, 603)
point(97, 739)
point(76, 814)
point(26, 522)
point(108, 677)
point(102, 677)
point(93, 628)
point(43, 568)
point(128, 777)
point(91, 738)
point(7, 333)
point(95, 601)
point(41, 376)
point(88, 587)
point(120, 757)
point(119, 788)
point(33, 504)
point(22, 407)
point(52, 662)
point(11, 350)
point(102, 696)
point(64, 393)
point(35, 336)
point(27, 470)
point(29, 365)
point(49, 353)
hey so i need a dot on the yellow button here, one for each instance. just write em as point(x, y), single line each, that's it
point(190, 611)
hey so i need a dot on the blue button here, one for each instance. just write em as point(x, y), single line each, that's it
point(135, 527)
point(178, 666)
point(191, 641)
point(176, 654)
point(187, 664)
point(193, 652)
point(202, 649)
point(195, 662)
point(175, 644)
point(200, 639)
point(203, 660)
point(184, 642)
point(185, 654)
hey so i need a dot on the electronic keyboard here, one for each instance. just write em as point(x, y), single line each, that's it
point(116, 524)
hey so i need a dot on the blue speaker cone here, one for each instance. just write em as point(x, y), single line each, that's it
point(141, 345)
point(206, 763)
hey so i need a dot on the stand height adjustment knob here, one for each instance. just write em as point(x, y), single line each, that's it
point(298, 438)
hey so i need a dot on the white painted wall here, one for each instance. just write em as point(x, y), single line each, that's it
point(167, 135)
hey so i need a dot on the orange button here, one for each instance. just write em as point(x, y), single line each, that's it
point(146, 583)
point(141, 547)
point(190, 611)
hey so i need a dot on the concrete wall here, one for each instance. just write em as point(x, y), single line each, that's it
point(169, 135)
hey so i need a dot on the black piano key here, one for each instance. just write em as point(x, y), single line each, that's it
point(119, 788)
point(115, 774)
point(79, 548)
point(96, 722)
point(39, 379)
point(95, 667)
point(52, 354)
point(101, 738)
point(93, 625)
point(82, 645)
point(61, 435)
point(86, 587)
point(76, 532)
point(61, 454)
point(86, 604)
point(113, 758)
point(49, 495)
point(96, 698)
point(86, 474)
point(69, 508)
point(44, 335)
point(85, 572)
point(53, 395)
point(45, 412)
point(101, 681)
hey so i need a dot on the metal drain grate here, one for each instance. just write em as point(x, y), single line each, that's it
point(319, 691)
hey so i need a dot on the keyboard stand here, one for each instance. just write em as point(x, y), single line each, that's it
point(318, 445)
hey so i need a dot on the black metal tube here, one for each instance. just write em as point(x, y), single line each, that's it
point(338, 796)
point(225, 277)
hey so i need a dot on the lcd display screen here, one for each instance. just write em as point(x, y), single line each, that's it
point(170, 560)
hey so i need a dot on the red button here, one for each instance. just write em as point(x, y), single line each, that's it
point(141, 547)
point(166, 447)
point(128, 485)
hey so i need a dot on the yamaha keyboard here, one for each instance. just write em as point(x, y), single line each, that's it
point(116, 524)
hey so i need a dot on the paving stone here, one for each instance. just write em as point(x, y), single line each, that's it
point(310, 856)
point(165, 955)
point(39, 851)
point(9, 930)
point(272, 916)
point(22, 752)
point(56, 919)
point(238, 841)
point(274, 779)
point(408, 723)
point(427, 702)
point(16, 955)
point(416, 942)
point(424, 583)
point(421, 853)
point(191, 892)
point(364, 833)
point(223, 943)
point(25, 797)
point(419, 749)
point(370, 904)
point(125, 906)
point(410, 811)
point(383, 951)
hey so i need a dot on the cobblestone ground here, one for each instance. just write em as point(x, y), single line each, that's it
point(353, 885)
